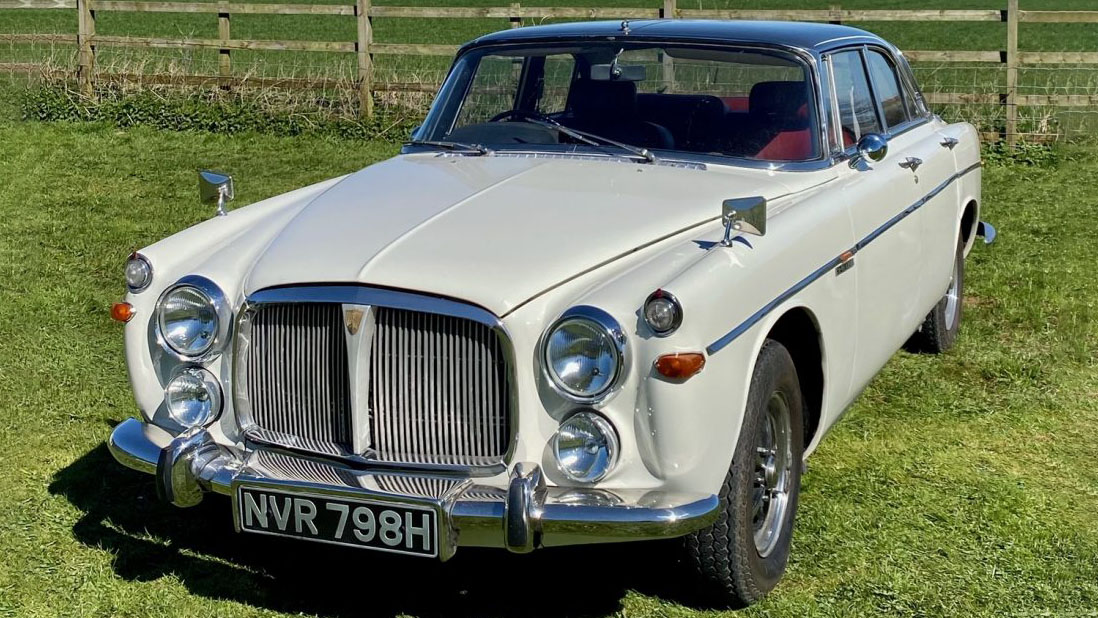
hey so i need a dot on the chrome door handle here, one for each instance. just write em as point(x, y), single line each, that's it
point(911, 163)
point(950, 142)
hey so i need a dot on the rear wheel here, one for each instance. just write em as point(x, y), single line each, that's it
point(939, 331)
point(743, 554)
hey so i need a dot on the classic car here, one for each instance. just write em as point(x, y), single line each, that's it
point(616, 287)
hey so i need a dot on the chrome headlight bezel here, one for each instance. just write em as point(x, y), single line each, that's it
point(223, 312)
point(619, 347)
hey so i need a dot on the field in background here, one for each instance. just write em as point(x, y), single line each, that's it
point(961, 485)
point(986, 80)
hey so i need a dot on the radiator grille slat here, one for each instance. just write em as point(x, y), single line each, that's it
point(436, 387)
point(298, 378)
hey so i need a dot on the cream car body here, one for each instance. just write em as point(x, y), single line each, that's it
point(855, 254)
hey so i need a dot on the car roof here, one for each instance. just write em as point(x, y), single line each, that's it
point(804, 35)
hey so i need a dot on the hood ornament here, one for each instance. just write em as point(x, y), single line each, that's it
point(624, 27)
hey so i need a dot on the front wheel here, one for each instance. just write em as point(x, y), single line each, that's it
point(939, 331)
point(743, 554)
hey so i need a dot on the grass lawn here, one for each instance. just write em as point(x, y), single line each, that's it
point(963, 485)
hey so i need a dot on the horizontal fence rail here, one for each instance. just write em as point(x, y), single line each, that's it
point(365, 48)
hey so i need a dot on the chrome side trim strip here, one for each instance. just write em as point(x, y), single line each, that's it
point(731, 336)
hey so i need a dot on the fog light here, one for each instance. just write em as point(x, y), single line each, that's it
point(586, 447)
point(193, 397)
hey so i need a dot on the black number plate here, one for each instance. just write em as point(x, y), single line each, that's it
point(400, 528)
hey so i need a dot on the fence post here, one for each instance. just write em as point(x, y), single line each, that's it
point(365, 58)
point(516, 20)
point(1012, 73)
point(84, 36)
point(669, 11)
point(836, 11)
point(224, 60)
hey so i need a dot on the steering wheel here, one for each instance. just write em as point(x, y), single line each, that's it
point(519, 114)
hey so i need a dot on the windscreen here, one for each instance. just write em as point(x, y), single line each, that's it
point(743, 103)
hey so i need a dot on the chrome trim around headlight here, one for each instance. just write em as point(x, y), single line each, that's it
point(221, 307)
point(616, 333)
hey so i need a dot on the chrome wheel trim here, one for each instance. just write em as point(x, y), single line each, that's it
point(952, 297)
point(773, 470)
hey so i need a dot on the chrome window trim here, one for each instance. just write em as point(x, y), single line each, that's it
point(224, 312)
point(346, 294)
point(617, 335)
point(888, 132)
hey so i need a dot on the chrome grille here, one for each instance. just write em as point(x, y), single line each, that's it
point(298, 383)
point(438, 390)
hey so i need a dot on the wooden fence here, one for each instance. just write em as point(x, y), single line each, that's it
point(365, 48)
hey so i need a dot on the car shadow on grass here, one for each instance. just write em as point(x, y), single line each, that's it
point(149, 539)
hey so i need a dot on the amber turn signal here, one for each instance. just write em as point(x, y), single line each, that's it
point(122, 312)
point(680, 366)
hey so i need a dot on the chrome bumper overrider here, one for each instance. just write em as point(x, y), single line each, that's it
point(526, 515)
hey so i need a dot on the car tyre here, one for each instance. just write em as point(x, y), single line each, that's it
point(743, 554)
point(939, 331)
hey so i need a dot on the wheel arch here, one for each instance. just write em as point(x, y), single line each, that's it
point(970, 220)
point(799, 332)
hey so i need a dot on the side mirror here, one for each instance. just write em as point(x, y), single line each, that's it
point(745, 214)
point(872, 147)
point(215, 187)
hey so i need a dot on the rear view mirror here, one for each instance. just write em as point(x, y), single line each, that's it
point(615, 72)
point(215, 187)
point(746, 215)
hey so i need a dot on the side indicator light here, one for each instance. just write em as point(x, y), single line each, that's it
point(680, 366)
point(122, 312)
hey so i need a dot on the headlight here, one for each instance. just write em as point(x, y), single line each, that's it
point(584, 353)
point(193, 397)
point(191, 317)
point(139, 273)
point(586, 447)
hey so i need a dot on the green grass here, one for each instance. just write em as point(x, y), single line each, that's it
point(961, 485)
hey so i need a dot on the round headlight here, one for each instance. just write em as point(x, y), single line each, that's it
point(584, 353)
point(139, 273)
point(191, 317)
point(586, 447)
point(662, 313)
point(193, 397)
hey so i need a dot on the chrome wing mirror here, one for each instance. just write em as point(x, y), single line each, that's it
point(215, 187)
point(872, 147)
point(746, 215)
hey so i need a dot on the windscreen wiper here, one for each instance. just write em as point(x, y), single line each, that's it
point(592, 139)
point(470, 148)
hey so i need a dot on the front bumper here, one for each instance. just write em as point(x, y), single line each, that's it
point(526, 515)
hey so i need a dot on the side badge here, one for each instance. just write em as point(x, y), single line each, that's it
point(846, 262)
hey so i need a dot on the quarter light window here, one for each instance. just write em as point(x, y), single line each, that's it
point(857, 111)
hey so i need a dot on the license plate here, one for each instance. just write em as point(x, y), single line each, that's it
point(400, 528)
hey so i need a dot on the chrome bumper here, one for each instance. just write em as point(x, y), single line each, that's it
point(525, 516)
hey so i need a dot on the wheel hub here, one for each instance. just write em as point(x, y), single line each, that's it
point(773, 463)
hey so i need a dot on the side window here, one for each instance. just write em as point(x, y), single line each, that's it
point(493, 90)
point(555, 82)
point(886, 85)
point(857, 111)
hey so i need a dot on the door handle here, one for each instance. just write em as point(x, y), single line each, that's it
point(911, 163)
point(950, 142)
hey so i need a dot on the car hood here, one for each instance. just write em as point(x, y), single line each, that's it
point(494, 230)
